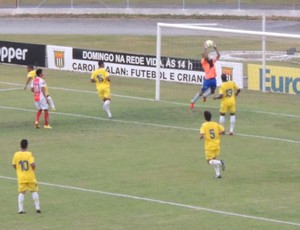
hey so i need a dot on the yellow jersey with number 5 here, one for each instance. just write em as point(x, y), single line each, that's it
point(228, 89)
point(101, 78)
point(211, 131)
point(23, 161)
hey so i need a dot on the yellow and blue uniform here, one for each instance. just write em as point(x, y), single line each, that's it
point(210, 74)
point(211, 131)
point(228, 89)
point(23, 161)
point(100, 76)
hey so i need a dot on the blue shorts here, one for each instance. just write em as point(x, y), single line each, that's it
point(209, 83)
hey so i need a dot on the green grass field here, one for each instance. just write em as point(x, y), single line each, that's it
point(150, 153)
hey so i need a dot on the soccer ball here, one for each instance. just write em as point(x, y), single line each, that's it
point(209, 44)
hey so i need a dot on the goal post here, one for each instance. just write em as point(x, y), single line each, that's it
point(259, 53)
point(158, 58)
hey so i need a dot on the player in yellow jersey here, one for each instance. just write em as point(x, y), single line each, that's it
point(227, 93)
point(210, 131)
point(101, 77)
point(30, 75)
point(25, 166)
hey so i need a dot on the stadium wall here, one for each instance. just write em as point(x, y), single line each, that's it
point(150, 11)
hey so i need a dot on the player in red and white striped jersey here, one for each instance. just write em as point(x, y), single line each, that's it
point(38, 87)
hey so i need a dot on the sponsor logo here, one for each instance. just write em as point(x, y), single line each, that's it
point(228, 71)
point(8, 54)
point(59, 59)
point(277, 79)
point(279, 84)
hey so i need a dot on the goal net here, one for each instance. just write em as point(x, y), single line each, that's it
point(255, 60)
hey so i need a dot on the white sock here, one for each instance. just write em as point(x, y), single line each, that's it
point(51, 102)
point(222, 120)
point(196, 97)
point(232, 123)
point(207, 92)
point(216, 164)
point(35, 197)
point(21, 202)
point(106, 107)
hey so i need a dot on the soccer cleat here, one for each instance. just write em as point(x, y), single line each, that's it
point(36, 125)
point(53, 108)
point(223, 165)
point(231, 133)
point(218, 177)
point(21, 212)
point(38, 211)
point(192, 105)
point(109, 115)
point(204, 99)
point(47, 127)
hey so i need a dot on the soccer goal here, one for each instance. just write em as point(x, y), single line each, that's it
point(256, 60)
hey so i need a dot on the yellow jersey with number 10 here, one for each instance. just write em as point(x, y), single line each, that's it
point(23, 161)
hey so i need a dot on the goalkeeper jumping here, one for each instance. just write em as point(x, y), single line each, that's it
point(210, 82)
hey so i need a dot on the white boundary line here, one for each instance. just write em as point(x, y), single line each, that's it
point(149, 124)
point(168, 102)
point(11, 89)
point(197, 208)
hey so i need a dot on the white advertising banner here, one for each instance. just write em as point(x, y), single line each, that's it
point(59, 57)
point(138, 66)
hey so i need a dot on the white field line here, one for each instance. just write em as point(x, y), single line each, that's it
point(162, 101)
point(197, 208)
point(199, 24)
point(149, 124)
point(11, 89)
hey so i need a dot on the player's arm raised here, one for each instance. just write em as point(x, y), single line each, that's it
point(205, 53)
point(218, 53)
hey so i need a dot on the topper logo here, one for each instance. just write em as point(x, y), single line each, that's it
point(7, 54)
